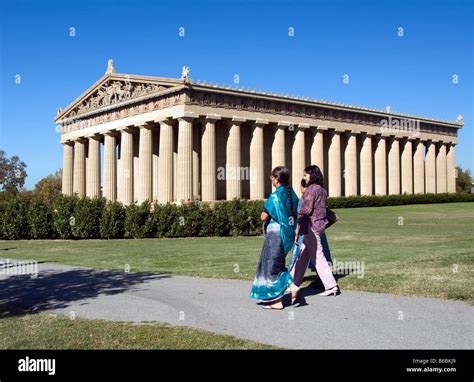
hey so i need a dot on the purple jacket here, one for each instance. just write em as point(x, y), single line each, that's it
point(313, 209)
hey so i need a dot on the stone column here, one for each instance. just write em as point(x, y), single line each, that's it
point(233, 182)
point(93, 168)
point(334, 164)
point(366, 166)
point(155, 162)
point(430, 167)
point(165, 162)
point(145, 167)
point(257, 180)
point(350, 160)
point(68, 168)
point(441, 169)
point(79, 183)
point(197, 194)
point(451, 172)
point(185, 159)
point(419, 168)
point(119, 169)
point(297, 160)
point(110, 167)
point(317, 150)
point(126, 157)
point(394, 167)
point(278, 147)
point(208, 150)
point(380, 164)
point(407, 167)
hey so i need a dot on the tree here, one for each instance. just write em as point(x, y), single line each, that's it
point(12, 172)
point(463, 180)
point(49, 188)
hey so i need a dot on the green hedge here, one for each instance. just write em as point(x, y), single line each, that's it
point(71, 217)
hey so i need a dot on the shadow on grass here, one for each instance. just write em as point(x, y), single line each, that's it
point(51, 289)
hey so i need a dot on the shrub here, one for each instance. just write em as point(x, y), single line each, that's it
point(15, 219)
point(163, 217)
point(138, 221)
point(112, 222)
point(86, 218)
point(63, 216)
point(40, 219)
point(221, 219)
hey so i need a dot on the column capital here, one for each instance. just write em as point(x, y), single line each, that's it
point(95, 136)
point(146, 125)
point(81, 140)
point(111, 133)
point(279, 127)
point(68, 142)
point(303, 126)
point(236, 119)
point(212, 117)
point(335, 132)
point(166, 121)
point(284, 124)
point(351, 133)
point(127, 129)
point(261, 122)
point(187, 116)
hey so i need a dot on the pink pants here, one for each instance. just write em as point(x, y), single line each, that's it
point(312, 249)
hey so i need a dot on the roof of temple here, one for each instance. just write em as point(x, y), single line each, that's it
point(133, 87)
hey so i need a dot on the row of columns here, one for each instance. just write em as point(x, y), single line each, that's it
point(373, 164)
point(389, 165)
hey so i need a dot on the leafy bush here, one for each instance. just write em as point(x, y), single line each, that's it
point(69, 217)
point(138, 221)
point(15, 219)
point(112, 222)
point(86, 218)
point(63, 216)
point(40, 219)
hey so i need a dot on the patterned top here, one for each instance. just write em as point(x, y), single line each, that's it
point(312, 210)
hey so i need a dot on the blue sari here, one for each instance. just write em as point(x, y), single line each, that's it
point(272, 277)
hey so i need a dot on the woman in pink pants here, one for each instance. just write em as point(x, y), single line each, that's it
point(312, 222)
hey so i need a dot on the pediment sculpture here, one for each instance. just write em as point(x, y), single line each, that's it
point(114, 92)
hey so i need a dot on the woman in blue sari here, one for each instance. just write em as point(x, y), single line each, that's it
point(279, 217)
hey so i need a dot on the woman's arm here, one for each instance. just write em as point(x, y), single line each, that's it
point(297, 232)
point(307, 203)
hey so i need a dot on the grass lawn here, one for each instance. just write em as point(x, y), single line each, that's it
point(49, 331)
point(430, 254)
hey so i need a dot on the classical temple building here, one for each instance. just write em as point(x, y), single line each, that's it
point(168, 139)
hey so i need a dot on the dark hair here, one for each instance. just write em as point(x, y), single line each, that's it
point(282, 175)
point(303, 183)
point(315, 175)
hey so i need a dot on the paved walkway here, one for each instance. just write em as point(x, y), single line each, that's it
point(353, 320)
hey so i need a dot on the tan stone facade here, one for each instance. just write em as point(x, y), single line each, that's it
point(135, 138)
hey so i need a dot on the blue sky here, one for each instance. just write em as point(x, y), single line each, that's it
point(412, 74)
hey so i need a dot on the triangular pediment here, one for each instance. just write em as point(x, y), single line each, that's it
point(113, 89)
